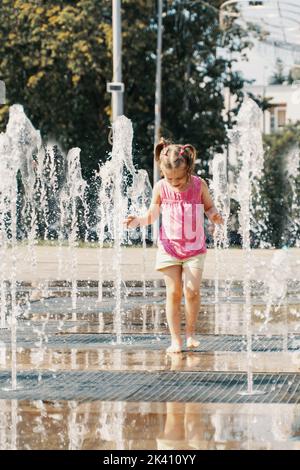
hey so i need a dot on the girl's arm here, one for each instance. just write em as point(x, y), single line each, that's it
point(209, 207)
point(152, 213)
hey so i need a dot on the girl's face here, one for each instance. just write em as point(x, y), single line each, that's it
point(177, 177)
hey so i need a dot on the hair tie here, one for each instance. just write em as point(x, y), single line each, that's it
point(182, 149)
point(165, 149)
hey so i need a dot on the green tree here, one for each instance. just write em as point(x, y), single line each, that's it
point(264, 102)
point(278, 77)
point(56, 57)
point(275, 185)
point(195, 72)
point(139, 31)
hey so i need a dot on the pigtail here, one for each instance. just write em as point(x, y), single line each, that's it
point(191, 151)
point(173, 155)
point(159, 147)
point(190, 154)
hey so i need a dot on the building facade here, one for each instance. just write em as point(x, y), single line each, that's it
point(285, 105)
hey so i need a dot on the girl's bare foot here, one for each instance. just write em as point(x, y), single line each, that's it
point(176, 346)
point(192, 342)
point(177, 360)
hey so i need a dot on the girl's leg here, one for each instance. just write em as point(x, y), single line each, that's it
point(174, 426)
point(173, 280)
point(191, 285)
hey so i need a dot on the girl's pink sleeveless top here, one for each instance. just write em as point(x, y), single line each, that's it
point(182, 226)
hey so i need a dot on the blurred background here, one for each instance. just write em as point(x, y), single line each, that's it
point(56, 58)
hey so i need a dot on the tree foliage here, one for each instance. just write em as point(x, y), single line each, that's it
point(282, 205)
point(195, 71)
point(278, 77)
point(56, 58)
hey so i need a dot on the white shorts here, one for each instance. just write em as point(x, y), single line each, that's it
point(164, 260)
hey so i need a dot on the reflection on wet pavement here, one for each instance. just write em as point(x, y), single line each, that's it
point(119, 425)
point(55, 339)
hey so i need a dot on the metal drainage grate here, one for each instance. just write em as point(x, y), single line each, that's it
point(203, 387)
point(234, 343)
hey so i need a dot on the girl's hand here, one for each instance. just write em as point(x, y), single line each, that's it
point(211, 229)
point(131, 222)
point(217, 218)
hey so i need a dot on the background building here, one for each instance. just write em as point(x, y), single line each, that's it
point(284, 103)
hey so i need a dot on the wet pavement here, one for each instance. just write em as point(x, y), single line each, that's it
point(78, 388)
point(122, 425)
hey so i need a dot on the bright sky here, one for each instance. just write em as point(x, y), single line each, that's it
point(262, 61)
point(281, 18)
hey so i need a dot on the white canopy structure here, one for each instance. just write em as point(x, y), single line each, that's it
point(278, 19)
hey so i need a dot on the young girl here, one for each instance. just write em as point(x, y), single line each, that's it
point(182, 198)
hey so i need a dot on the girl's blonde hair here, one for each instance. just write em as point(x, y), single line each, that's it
point(173, 155)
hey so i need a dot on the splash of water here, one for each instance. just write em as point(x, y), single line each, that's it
point(292, 232)
point(122, 190)
point(72, 196)
point(16, 147)
point(53, 204)
point(247, 140)
point(219, 188)
point(140, 196)
point(276, 289)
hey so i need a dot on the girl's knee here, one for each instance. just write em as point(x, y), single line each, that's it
point(191, 294)
point(174, 294)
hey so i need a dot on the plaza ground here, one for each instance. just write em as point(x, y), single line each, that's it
point(61, 263)
point(78, 388)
